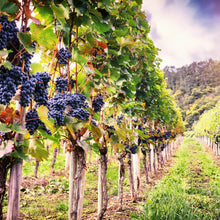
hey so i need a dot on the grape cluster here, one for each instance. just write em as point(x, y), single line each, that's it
point(77, 102)
point(41, 89)
point(57, 107)
point(163, 146)
point(132, 149)
point(61, 84)
point(9, 82)
point(26, 57)
point(27, 89)
point(97, 103)
point(110, 130)
point(7, 32)
point(119, 119)
point(32, 121)
point(63, 55)
point(79, 113)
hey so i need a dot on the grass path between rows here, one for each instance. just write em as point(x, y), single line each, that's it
point(190, 191)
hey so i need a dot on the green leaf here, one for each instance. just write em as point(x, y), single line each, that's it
point(7, 64)
point(19, 153)
point(95, 147)
point(37, 150)
point(96, 132)
point(60, 13)
point(43, 115)
point(139, 2)
point(17, 128)
point(49, 137)
point(25, 39)
point(8, 7)
point(4, 128)
point(114, 74)
point(36, 67)
point(99, 26)
point(69, 120)
point(115, 139)
point(44, 14)
point(76, 57)
point(44, 36)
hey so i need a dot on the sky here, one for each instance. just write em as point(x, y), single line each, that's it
point(184, 30)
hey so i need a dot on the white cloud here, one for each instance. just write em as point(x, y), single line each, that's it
point(180, 35)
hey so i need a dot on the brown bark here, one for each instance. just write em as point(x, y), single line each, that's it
point(36, 168)
point(103, 170)
point(14, 191)
point(154, 159)
point(131, 178)
point(15, 176)
point(4, 166)
point(158, 159)
point(149, 162)
point(121, 179)
point(54, 160)
point(145, 165)
point(76, 181)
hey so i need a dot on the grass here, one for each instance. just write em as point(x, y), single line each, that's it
point(47, 196)
point(190, 191)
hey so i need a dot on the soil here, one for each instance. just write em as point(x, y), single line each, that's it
point(129, 207)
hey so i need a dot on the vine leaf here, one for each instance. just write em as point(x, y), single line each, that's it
point(37, 150)
point(8, 7)
point(4, 128)
point(17, 128)
point(43, 115)
point(9, 115)
point(25, 39)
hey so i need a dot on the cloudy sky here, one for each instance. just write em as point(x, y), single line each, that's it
point(184, 30)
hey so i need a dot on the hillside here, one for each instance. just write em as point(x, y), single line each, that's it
point(196, 88)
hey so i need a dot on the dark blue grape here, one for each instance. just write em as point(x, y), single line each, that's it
point(63, 55)
point(9, 82)
point(41, 89)
point(76, 100)
point(27, 89)
point(61, 84)
point(57, 107)
point(32, 121)
point(133, 149)
point(97, 103)
point(110, 130)
point(79, 113)
point(26, 57)
point(7, 32)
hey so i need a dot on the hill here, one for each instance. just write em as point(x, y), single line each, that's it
point(196, 88)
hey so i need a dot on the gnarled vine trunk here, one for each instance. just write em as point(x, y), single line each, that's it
point(102, 182)
point(36, 168)
point(76, 181)
point(145, 165)
point(54, 160)
point(16, 176)
point(131, 178)
point(4, 165)
point(121, 179)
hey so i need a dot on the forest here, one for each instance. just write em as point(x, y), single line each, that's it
point(90, 125)
point(196, 88)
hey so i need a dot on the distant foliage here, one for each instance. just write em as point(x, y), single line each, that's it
point(196, 88)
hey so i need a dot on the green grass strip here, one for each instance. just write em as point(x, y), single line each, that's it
point(191, 190)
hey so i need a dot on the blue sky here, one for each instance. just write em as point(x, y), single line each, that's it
point(184, 30)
